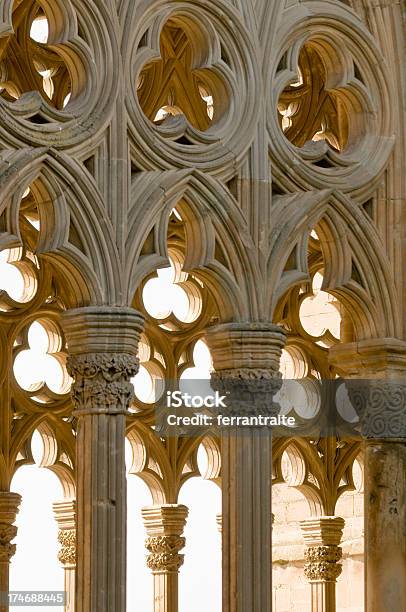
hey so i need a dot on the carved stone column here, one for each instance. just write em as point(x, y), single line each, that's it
point(322, 537)
point(65, 516)
point(246, 362)
point(376, 370)
point(103, 345)
point(9, 506)
point(164, 526)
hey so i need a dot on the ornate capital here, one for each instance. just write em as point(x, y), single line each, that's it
point(375, 377)
point(165, 525)
point(67, 553)
point(164, 553)
point(103, 345)
point(7, 534)
point(246, 359)
point(65, 515)
point(251, 392)
point(102, 382)
point(380, 405)
point(322, 563)
point(323, 553)
point(9, 505)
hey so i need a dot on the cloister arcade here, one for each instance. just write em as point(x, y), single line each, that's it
point(202, 190)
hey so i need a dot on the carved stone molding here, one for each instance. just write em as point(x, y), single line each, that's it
point(7, 534)
point(323, 553)
point(380, 405)
point(322, 563)
point(65, 516)
point(9, 505)
point(165, 525)
point(246, 365)
point(250, 392)
point(375, 377)
point(102, 382)
point(381, 358)
point(249, 350)
point(164, 553)
point(103, 345)
point(67, 553)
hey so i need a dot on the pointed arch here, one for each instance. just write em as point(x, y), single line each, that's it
point(59, 449)
point(348, 237)
point(212, 219)
point(70, 199)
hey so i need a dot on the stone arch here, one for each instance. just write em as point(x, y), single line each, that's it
point(213, 224)
point(298, 456)
point(349, 242)
point(76, 236)
point(56, 443)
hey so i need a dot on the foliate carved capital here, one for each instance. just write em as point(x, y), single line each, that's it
point(380, 405)
point(164, 553)
point(102, 382)
point(246, 358)
point(7, 534)
point(322, 563)
point(254, 377)
point(250, 391)
point(67, 553)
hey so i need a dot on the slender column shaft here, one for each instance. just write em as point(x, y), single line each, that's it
point(65, 516)
point(9, 505)
point(164, 526)
point(322, 537)
point(385, 525)
point(246, 362)
point(103, 345)
point(247, 522)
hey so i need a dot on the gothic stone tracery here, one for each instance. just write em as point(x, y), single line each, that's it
point(258, 148)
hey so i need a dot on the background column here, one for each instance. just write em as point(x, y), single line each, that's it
point(164, 526)
point(103, 345)
point(9, 505)
point(322, 537)
point(65, 516)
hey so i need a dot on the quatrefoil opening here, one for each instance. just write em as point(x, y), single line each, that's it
point(181, 87)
